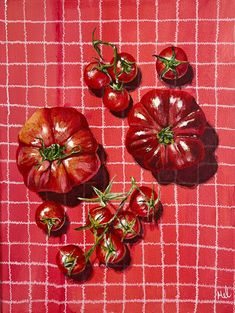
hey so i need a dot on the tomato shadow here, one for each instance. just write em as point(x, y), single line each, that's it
point(124, 113)
point(183, 81)
point(100, 181)
point(134, 84)
point(198, 174)
point(84, 276)
point(96, 92)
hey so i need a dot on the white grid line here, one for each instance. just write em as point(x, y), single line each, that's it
point(198, 194)
point(228, 19)
point(27, 192)
point(8, 157)
point(119, 301)
point(216, 122)
point(83, 286)
point(123, 149)
point(176, 198)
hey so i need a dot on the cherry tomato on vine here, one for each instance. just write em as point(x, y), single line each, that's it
point(50, 216)
point(172, 63)
point(145, 203)
point(116, 99)
point(126, 69)
point(98, 218)
point(127, 226)
point(94, 77)
point(111, 250)
point(71, 260)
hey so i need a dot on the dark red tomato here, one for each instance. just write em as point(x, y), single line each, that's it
point(144, 203)
point(50, 216)
point(111, 250)
point(95, 78)
point(116, 100)
point(165, 131)
point(126, 68)
point(127, 226)
point(71, 260)
point(172, 63)
point(98, 218)
point(57, 150)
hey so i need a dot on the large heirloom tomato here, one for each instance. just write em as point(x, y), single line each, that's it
point(165, 130)
point(57, 150)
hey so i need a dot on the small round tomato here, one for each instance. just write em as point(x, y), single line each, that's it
point(111, 250)
point(126, 69)
point(71, 260)
point(94, 77)
point(116, 99)
point(144, 202)
point(127, 226)
point(50, 216)
point(172, 63)
point(98, 217)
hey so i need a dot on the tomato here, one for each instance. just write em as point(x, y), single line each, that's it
point(172, 63)
point(127, 226)
point(126, 68)
point(57, 150)
point(144, 203)
point(111, 250)
point(98, 218)
point(94, 77)
point(71, 260)
point(50, 216)
point(165, 131)
point(116, 100)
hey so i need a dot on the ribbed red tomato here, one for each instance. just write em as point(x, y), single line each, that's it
point(57, 150)
point(165, 130)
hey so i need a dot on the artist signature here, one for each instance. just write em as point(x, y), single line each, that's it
point(223, 294)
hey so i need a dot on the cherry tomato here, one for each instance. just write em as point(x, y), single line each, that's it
point(126, 68)
point(71, 260)
point(95, 78)
point(172, 63)
point(50, 216)
point(111, 250)
point(98, 218)
point(144, 203)
point(127, 226)
point(116, 100)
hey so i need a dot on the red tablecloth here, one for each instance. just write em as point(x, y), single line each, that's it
point(186, 263)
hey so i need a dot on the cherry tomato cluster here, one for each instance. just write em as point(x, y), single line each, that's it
point(114, 228)
point(109, 78)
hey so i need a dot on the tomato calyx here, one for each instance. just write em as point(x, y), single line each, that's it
point(117, 86)
point(50, 222)
point(127, 227)
point(126, 66)
point(55, 152)
point(69, 261)
point(170, 64)
point(166, 136)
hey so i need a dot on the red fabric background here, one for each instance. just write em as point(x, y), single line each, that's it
point(182, 264)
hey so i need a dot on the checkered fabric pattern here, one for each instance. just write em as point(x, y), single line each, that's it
point(184, 265)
